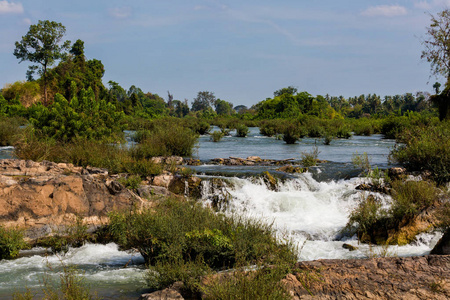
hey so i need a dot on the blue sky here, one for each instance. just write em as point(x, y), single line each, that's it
point(241, 50)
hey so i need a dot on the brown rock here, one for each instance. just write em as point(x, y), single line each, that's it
point(51, 199)
point(424, 277)
point(166, 294)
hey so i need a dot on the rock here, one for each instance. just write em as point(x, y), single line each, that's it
point(163, 180)
point(425, 277)
point(178, 160)
point(166, 294)
point(158, 159)
point(292, 169)
point(396, 172)
point(254, 159)
point(51, 199)
point(443, 246)
point(349, 247)
point(270, 181)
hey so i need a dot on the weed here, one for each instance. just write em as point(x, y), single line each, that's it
point(309, 159)
point(131, 182)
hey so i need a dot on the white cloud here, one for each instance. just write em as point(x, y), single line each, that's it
point(120, 12)
point(385, 11)
point(10, 7)
point(26, 21)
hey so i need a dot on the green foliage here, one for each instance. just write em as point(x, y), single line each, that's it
point(379, 225)
point(9, 130)
point(365, 217)
point(41, 45)
point(11, 242)
point(131, 182)
point(83, 117)
point(425, 148)
point(164, 273)
point(264, 283)
point(177, 231)
point(165, 140)
point(411, 198)
point(27, 92)
point(216, 136)
point(309, 159)
point(242, 130)
point(362, 161)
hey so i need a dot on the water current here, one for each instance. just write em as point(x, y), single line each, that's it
point(311, 209)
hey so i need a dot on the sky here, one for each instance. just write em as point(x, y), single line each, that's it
point(242, 51)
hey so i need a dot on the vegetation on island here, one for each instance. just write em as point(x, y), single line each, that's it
point(67, 114)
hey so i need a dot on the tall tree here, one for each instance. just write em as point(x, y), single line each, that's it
point(437, 52)
point(42, 45)
point(203, 101)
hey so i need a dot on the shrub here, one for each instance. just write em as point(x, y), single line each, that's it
point(291, 134)
point(309, 159)
point(241, 130)
point(411, 197)
point(364, 218)
point(327, 139)
point(11, 242)
point(216, 136)
point(343, 132)
point(425, 148)
point(165, 141)
point(175, 234)
point(9, 130)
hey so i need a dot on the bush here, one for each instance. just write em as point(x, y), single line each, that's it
point(241, 130)
point(9, 130)
point(11, 242)
point(309, 159)
point(165, 141)
point(176, 233)
point(364, 218)
point(425, 149)
point(291, 133)
point(216, 136)
point(411, 197)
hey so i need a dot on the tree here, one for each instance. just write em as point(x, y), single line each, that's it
point(287, 90)
point(437, 52)
point(41, 45)
point(203, 101)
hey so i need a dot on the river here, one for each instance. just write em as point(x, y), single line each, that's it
point(310, 209)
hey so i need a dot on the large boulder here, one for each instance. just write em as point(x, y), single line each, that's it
point(34, 195)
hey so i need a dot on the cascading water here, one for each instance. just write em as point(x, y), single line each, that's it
point(311, 213)
point(101, 267)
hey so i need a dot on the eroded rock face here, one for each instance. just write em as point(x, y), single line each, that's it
point(47, 194)
point(426, 277)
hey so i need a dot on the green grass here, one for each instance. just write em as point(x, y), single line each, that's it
point(11, 242)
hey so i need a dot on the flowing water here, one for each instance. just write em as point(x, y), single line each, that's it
point(311, 209)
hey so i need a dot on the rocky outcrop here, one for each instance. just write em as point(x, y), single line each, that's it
point(426, 277)
point(249, 161)
point(49, 195)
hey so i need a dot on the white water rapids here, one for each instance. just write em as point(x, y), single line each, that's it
point(312, 214)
